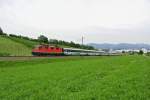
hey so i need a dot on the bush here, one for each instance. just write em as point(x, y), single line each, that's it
point(1, 31)
point(132, 53)
point(4, 54)
point(141, 52)
point(4, 34)
point(13, 35)
point(43, 39)
point(71, 44)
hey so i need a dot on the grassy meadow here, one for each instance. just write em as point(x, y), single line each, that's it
point(76, 78)
point(9, 47)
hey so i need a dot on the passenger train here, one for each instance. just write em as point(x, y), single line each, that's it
point(47, 50)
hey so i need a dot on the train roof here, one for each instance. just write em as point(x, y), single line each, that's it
point(45, 45)
point(75, 49)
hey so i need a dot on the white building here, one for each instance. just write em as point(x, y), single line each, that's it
point(144, 50)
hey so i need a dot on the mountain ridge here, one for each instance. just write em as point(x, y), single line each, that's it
point(120, 45)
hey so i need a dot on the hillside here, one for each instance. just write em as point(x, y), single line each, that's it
point(17, 45)
point(27, 43)
point(14, 47)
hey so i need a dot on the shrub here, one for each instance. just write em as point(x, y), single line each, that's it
point(4, 54)
point(43, 39)
point(141, 52)
point(1, 31)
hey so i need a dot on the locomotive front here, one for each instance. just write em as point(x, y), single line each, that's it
point(47, 50)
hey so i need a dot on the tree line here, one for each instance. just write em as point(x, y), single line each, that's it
point(44, 40)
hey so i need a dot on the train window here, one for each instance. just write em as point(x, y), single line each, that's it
point(57, 48)
point(46, 47)
point(40, 47)
point(52, 48)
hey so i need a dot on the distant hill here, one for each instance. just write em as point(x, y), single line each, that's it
point(119, 46)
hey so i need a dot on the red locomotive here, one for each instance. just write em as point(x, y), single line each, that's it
point(47, 50)
point(43, 50)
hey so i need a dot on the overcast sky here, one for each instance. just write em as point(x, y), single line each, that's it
point(99, 21)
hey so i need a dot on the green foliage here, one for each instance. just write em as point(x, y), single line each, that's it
point(1, 31)
point(93, 78)
point(13, 35)
point(4, 54)
point(141, 52)
point(23, 37)
point(43, 39)
point(70, 44)
point(123, 52)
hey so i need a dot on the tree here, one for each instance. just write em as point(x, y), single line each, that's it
point(1, 31)
point(72, 44)
point(141, 52)
point(43, 39)
point(123, 52)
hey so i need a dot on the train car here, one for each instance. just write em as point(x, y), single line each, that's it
point(46, 50)
point(82, 52)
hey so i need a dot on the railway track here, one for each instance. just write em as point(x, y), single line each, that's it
point(17, 58)
point(14, 58)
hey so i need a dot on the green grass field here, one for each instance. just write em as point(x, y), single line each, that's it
point(76, 78)
point(9, 47)
point(28, 43)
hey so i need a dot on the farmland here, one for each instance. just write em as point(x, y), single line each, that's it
point(76, 78)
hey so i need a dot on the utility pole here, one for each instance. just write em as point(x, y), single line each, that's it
point(82, 40)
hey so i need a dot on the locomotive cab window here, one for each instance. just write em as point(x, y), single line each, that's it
point(46, 47)
point(40, 47)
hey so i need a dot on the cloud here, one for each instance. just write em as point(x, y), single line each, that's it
point(97, 20)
